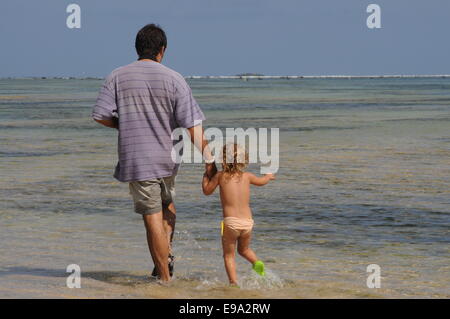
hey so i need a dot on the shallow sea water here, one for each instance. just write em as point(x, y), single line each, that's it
point(364, 179)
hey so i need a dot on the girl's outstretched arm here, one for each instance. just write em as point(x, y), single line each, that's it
point(260, 181)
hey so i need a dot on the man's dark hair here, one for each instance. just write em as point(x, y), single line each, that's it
point(149, 41)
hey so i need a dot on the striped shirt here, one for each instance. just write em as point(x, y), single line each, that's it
point(150, 101)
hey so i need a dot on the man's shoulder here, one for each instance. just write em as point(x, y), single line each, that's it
point(173, 74)
point(124, 68)
point(163, 70)
point(112, 76)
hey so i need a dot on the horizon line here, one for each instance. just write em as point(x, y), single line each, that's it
point(250, 76)
point(261, 76)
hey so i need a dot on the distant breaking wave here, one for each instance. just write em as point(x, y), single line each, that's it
point(315, 76)
point(260, 77)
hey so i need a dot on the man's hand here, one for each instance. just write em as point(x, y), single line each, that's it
point(210, 170)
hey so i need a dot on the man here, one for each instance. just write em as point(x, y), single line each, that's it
point(146, 101)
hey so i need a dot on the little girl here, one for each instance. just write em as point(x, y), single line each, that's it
point(235, 197)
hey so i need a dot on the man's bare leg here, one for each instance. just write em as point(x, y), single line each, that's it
point(169, 219)
point(158, 243)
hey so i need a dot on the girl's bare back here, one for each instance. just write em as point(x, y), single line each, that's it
point(235, 195)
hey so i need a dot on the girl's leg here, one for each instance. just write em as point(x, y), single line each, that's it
point(244, 248)
point(229, 248)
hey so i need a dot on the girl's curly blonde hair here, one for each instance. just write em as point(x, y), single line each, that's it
point(234, 159)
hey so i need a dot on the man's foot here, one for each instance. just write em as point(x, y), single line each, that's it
point(258, 267)
point(171, 264)
point(155, 273)
point(171, 267)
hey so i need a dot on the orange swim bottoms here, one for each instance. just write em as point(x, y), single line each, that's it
point(239, 226)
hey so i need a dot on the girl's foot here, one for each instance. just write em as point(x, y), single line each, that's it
point(258, 267)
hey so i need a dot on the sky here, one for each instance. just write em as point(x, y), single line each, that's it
point(228, 37)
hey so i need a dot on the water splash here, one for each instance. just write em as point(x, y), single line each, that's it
point(254, 281)
point(197, 266)
point(209, 283)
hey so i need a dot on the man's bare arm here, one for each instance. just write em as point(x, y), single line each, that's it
point(114, 123)
point(198, 139)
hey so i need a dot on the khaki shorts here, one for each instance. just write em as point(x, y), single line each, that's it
point(150, 196)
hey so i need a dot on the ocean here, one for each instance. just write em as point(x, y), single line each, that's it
point(364, 179)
